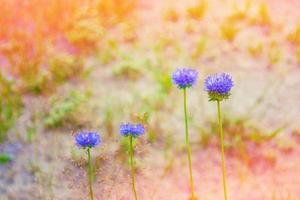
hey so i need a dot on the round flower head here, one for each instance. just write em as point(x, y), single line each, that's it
point(134, 130)
point(87, 139)
point(184, 78)
point(218, 86)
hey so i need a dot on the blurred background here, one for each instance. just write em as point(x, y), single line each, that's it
point(68, 65)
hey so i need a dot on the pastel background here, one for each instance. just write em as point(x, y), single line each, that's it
point(68, 65)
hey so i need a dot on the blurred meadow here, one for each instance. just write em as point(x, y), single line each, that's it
point(69, 65)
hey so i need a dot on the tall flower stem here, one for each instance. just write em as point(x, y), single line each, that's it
point(90, 174)
point(132, 167)
point(222, 149)
point(188, 148)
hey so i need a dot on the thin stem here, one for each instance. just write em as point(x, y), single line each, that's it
point(132, 168)
point(222, 150)
point(188, 148)
point(90, 174)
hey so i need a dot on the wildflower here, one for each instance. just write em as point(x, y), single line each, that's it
point(133, 130)
point(218, 86)
point(87, 139)
point(184, 78)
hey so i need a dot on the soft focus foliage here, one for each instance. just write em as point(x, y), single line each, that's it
point(10, 106)
point(197, 11)
point(63, 109)
point(294, 35)
point(69, 65)
point(229, 30)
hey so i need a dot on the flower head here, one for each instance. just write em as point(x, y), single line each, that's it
point(184, 77)
point(87, 139)
point(218, 86)
point(134, 130)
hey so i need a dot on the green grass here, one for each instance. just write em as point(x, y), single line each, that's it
point(239, 131)
point(5, 158)
point(63, 67)
point(129, 67)
point(62, 109)
point(10, 106)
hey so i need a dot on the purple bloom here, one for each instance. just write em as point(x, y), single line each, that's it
point(184, 77)
point(134, 130)
point(86, 139)
point(218, 86)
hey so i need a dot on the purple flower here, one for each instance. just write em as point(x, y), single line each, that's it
point(218, 86)
point(184, 77)
point(134, 130)
point(87, 139)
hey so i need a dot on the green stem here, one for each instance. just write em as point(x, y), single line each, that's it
point(132, 168)
point(188, 148)
point(90, 174)
point(222, 150)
